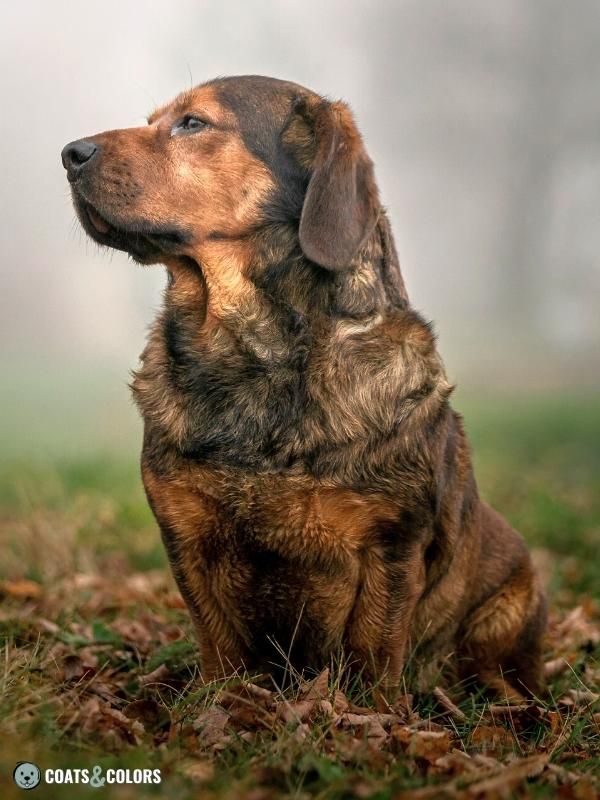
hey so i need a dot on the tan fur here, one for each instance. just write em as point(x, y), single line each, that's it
point(311, 482)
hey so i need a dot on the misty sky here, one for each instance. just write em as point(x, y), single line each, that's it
point(482, 119)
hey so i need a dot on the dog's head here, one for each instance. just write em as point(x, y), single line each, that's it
point(219, 164)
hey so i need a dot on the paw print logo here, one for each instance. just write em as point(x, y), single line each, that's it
point(26, 775)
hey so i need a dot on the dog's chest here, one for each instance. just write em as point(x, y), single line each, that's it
point(282, 557)
point(230, 514)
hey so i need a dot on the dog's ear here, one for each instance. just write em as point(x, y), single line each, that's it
point(341, 205)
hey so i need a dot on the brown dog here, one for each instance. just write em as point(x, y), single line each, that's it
point(312, 484)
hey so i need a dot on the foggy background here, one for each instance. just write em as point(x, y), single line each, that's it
point(483, 119)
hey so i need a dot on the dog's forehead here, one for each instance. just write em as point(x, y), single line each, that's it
point(245, 92)
point(201, 99)
point(239, 94)
point(261, 106)
point(256, 105)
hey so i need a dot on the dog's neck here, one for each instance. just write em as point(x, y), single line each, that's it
point(239, 368)
point(262, 291)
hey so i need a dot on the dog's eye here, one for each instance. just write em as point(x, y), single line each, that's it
point(189, 124)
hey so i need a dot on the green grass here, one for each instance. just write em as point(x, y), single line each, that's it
point(538, 462)
point(80, 529)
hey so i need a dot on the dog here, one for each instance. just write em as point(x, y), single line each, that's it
point(311, 482)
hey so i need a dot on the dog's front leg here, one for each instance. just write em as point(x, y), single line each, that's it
point(379, 629)
point(187, 518)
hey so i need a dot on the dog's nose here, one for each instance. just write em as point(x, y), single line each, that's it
point(76, 155)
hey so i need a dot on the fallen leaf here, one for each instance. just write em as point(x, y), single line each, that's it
point(151, 714)
point(77, 666)
point(48, 626)
point(198, 771)
point(509, 777)
point(369, 723)
point(447, 704)
point(492, 739)
point(248, 705)
point(318, 689)
point(295, 712)
point(210, 725)
point(340, 702)
point(133, 631)
point(583, 697)
point(454, 763)
point(22, 589)
point(555, 667)
point(428, 746)
point(159, 675)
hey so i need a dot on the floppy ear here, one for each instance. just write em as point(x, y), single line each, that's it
point(341, 205)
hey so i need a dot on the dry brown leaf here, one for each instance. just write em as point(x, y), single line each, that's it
point(245, 693)
point(197, 770)
point(133, 631)
point(519, 717)
point(583, 697)
point(360, 710)
point(301, 732)
point(509, 777)
point(582, 790)
point(566, 702)
point(259, 693)
point(508, 710)
point(131, 729)
point(248, 705)
point(487, 762)
point(492, 739)
point(403, 706)
point(318, 689)
point(494, 781)
point(340, 702)
point(429, 745)
point(456, 762)
point(21, 589)
point(426, 725)
point(159, 675)
point(326, 708)
point(78, 666)
point(174, 600)
point(400, 736)
point(447, 704)
point(556, 667)
point(48, 626)
point(296, 712)
point(151, 714)
point(369, 723)
point(210, 725)
point(555, 721)
point(564, 776)
point(112, 725)
point(576, 630)
point(81, 581)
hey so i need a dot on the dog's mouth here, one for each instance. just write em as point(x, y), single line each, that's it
point(145, 242)
point(99, 223)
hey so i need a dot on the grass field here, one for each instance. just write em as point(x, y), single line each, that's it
point(99, 663)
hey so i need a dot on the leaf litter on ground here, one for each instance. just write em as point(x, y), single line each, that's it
point(118, 667)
